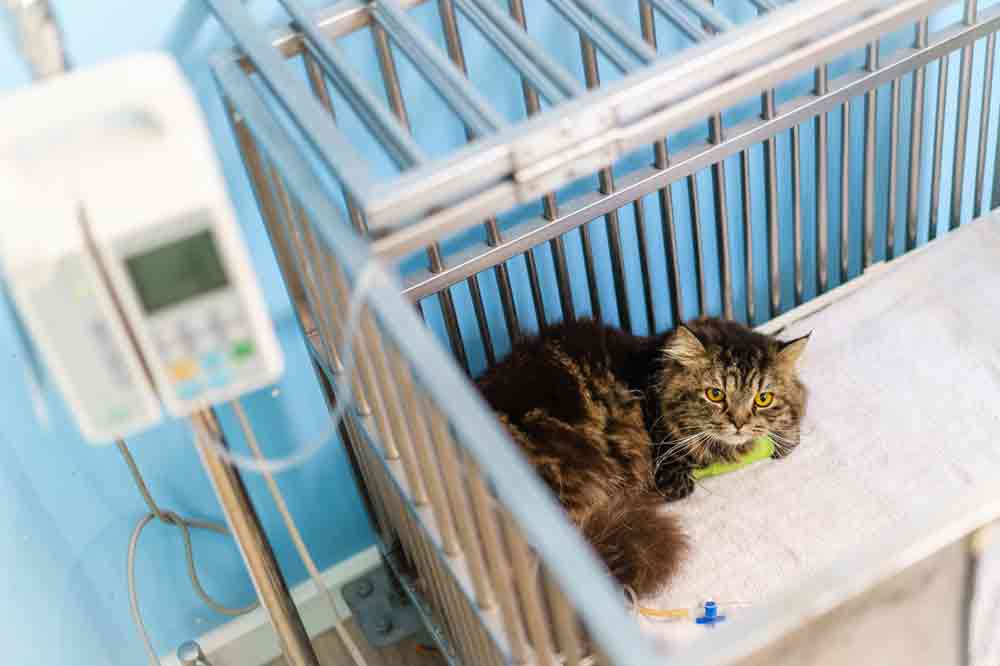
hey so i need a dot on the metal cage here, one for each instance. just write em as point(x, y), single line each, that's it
point(696, 141)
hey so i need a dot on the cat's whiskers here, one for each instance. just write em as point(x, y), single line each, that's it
point(679, 449)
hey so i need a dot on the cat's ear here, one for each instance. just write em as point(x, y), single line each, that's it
point(790, 352)
point(684, 347)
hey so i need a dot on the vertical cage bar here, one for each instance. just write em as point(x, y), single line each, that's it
point(869, 165)
point(822, 186)
point(984, 122)
point(390, 404)
point(606, 182)
point(550, 206)
point(317, 82)
point(773, 216)
point(390, 81)
point(564, 620)
point(454, 486)
point(942, 101)
point(699, 244)
point(421, 444)
point(666, 205)
point(453, 40)
point(747, 196)
point(497, 561)
point(916, 141)
point(716, 135)
point(962, 121)
point(525, 580)
point(891, 207)
point(639, 210)
point(797, 214)
point(845, 190)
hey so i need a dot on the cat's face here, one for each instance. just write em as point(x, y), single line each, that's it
point(724, 385)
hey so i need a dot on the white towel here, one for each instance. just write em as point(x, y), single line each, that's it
point(904, 416)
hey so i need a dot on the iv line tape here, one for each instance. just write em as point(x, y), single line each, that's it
point(367, 279)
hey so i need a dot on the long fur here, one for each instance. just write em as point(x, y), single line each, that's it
point(615, 423)
point(641, 544)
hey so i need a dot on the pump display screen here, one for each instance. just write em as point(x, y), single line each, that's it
point(175, 272)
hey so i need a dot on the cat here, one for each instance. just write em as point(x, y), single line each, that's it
point(616, 423)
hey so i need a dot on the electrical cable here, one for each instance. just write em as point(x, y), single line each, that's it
point(185, 525)
point(300, 545)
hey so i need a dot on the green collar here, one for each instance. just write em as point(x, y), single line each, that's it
point(762, 449)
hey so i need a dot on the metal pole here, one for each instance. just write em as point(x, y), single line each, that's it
point(39, 37)
point(254, 546)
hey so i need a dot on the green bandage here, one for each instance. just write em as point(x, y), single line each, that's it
point(762, 449)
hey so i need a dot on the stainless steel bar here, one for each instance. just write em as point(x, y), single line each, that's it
point(383, 126)
point(717, 23)
point(535, 283)
point(772, 205)
point(496, 559)
point(962, 122)
point(390, 75)
point(294, 239)
point(660, 100)
point(891, 205)
point(550, 206)
point(464, 100)
point(335, 150)
point(764, 5)
point(532, 62)
point(796, 165)
point(845, 191)
point(429, 470)
point(525, 579)
point(747, 198)
point(607, 185)
point(916, 141)
point(699, 244)
point(595, 33)
point(709, 15)
point(253, 163)
point(680, 20)
point(393, 89)
point(398, 423)
point(617, 29)
point(703, 155)
point(942, 100)
point(869, 165)
point(317, 81)
point(564, 621)
point(664, 200)
point(822, 153)
point(453, 39)
point(984, 122)
point(639, 211)
point(272, 590)
point(454, 486)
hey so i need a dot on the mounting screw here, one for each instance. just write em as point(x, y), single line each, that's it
point(190, 654)
point(383, 625)
point(365, 588)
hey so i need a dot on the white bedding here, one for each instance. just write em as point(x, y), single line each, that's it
point(904, 416)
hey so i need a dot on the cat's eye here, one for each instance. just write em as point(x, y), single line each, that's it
point(764, 399)
point(715, 394)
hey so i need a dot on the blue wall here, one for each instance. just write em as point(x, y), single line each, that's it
point(69, 508)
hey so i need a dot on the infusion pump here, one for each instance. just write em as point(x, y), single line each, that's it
point(121, 252)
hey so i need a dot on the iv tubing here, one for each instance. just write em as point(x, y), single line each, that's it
point(300, 545)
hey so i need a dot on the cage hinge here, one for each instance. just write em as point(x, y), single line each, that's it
point(579, 146)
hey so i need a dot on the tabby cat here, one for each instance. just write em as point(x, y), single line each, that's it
point(614, 423)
